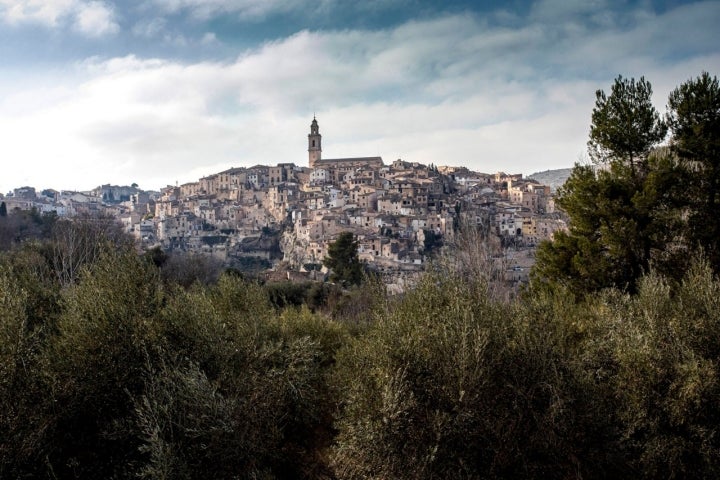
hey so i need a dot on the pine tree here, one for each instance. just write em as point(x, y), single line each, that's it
point(613, 231)
point(343, 260)
point(694, 119)
point(625, 126)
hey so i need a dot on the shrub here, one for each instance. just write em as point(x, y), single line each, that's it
point(448, 384)
point(667, 379)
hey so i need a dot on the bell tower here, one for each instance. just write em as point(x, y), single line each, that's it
point(314, 143)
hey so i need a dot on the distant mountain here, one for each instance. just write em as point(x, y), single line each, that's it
point(552, 178)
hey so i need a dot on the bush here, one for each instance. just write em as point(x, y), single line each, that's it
point(22, 394)
point(96, 363)
point(667, 377)
point(243, 392)
point(120, 374)
point(288, 294)
point(448, 384)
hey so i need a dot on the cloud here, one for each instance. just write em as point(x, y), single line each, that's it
point(149, 28)
point(162, 32)
point(453, 90)
point(92, 18)
point(563, 10)
point(45, 12)
point(95, 19)
point(209, 38)
point(246, 9)
point(258, 10)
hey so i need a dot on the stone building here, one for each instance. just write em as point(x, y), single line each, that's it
point(337, 168)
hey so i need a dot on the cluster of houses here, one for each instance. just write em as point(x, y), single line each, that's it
point(288, 213)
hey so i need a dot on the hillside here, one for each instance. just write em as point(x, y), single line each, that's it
point(553, 178)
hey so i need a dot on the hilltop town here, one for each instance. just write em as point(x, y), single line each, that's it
point(262, 216)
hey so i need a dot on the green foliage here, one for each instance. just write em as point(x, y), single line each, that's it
point(631, 214)
point(447, 384)
point(251, 265)
point(24, 225)
point(664, 377)
point(318, 297)
point(618, 229)
point(432, 241)
point(625, 126)
point(96, 362)
point(343, 260)
point(450, 385)
point(288, 294)
point(244, 393)
point(30, 269)
point(356, 307)
point(156, 256)
point(123, 375)
point(20, 379)
point(694, 119)
point(214, 239)
point(142, 378)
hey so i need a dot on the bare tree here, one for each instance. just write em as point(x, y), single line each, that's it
point(81, 240)
point(476, 255)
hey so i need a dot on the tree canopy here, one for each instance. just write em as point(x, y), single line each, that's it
point(630, 211)
point(625, 126)
point(343, 260)
point(694, 119)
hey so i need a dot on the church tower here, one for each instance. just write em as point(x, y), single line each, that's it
point(314, 145)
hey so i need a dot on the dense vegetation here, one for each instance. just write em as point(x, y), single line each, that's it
point(123, 374)
point(120, 365)
point(642, 205)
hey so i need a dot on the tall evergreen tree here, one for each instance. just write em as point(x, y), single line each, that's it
point(613, 230)
point(694, 119)
point(625, 126)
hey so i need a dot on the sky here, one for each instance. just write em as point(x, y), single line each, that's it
point(163, 92)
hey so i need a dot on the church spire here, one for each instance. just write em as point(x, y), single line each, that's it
point(314, 143)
